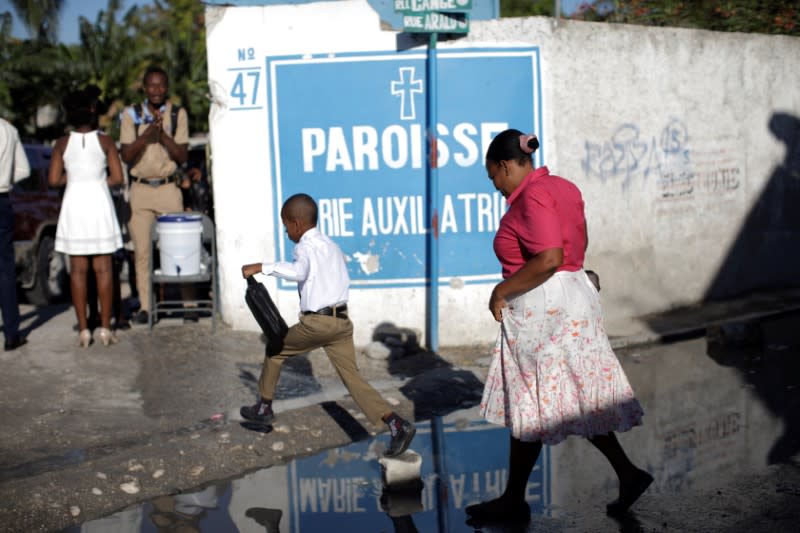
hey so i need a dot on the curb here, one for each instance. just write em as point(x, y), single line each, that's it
point(695, 330)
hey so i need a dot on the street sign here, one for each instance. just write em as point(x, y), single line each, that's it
point(424, 6)
point(436, 22)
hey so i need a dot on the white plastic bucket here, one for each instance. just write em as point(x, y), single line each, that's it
point(179, 244)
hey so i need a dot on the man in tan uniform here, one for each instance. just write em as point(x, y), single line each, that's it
point(153, 148)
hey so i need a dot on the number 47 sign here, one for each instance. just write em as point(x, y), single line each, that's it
point(244, 93)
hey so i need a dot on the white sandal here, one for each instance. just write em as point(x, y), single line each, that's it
point(84, 338)
point(106, 336)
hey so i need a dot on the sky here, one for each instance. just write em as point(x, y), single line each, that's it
point(68, 32)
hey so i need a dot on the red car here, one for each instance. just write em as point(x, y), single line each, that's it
point(41, 271)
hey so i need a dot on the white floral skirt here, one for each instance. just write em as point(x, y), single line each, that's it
point(553, 372)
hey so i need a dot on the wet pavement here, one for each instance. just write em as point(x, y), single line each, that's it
point(716, 413)
point(145, 436)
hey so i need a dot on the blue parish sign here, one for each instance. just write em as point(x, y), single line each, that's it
point(350, 130)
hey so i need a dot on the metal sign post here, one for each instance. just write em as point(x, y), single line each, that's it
point(432, 299)
point(433, 17)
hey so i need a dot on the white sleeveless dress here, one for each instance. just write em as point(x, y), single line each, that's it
point(87, 223)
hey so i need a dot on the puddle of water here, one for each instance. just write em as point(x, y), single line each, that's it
point(708, 419)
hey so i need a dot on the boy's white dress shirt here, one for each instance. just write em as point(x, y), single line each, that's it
point(319, 268)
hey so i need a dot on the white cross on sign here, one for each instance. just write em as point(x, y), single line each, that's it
point(405, 89)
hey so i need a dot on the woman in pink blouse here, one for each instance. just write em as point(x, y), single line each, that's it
point(553, 373)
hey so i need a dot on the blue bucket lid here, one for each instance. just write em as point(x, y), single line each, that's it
point(179, 218)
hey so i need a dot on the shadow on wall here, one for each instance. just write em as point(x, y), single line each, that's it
point(766, 253)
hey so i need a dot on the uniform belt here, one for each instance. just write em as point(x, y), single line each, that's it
point(340, 311)
point(3, 195)
point(155, 182)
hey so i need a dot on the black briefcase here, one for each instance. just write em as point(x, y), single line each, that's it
point(267, 315)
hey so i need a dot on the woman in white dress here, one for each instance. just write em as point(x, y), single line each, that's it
point(87, 161)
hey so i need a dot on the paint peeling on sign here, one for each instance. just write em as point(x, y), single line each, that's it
point(370, 263)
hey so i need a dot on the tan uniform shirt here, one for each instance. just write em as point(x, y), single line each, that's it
point(154, 161)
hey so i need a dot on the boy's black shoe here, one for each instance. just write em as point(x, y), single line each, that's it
point(401, 439)
point(260, 412)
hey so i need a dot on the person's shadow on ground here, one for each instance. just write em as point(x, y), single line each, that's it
point(435, 387)
point(767, 355)
point(297, 379)
point(41, 316)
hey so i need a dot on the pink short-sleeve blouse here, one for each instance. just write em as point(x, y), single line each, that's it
point(544, 212)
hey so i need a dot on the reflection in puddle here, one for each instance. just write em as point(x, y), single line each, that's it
point(341, 489)
point(705, 422)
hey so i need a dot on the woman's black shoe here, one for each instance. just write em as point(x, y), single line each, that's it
point(629, 493)
point(500, 510)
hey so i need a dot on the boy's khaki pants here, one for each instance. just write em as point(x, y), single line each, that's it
point(148, 202)
point(335, 336)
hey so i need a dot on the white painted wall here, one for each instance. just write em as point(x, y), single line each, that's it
point(666, 132)
point(658, 240)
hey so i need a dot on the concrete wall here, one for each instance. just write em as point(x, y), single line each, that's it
point(684, 143)
point(675, 137)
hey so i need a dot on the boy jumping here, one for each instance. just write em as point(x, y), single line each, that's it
point(320, 271)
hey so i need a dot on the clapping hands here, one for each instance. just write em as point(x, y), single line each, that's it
point(153, 132)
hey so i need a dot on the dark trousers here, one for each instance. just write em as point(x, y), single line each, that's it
point(8, 271)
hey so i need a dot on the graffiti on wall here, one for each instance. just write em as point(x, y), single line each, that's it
point(684, 173)
point(629, 154)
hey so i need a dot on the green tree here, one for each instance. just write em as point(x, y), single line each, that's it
point(40, 17)
point(7, 50)
point(527, 8)
point(753, 16)
point(30, 76)
point(111, 55)
point(36, 74)
point(176, 31)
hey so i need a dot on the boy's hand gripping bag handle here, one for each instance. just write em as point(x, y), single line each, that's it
point(267, 315)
